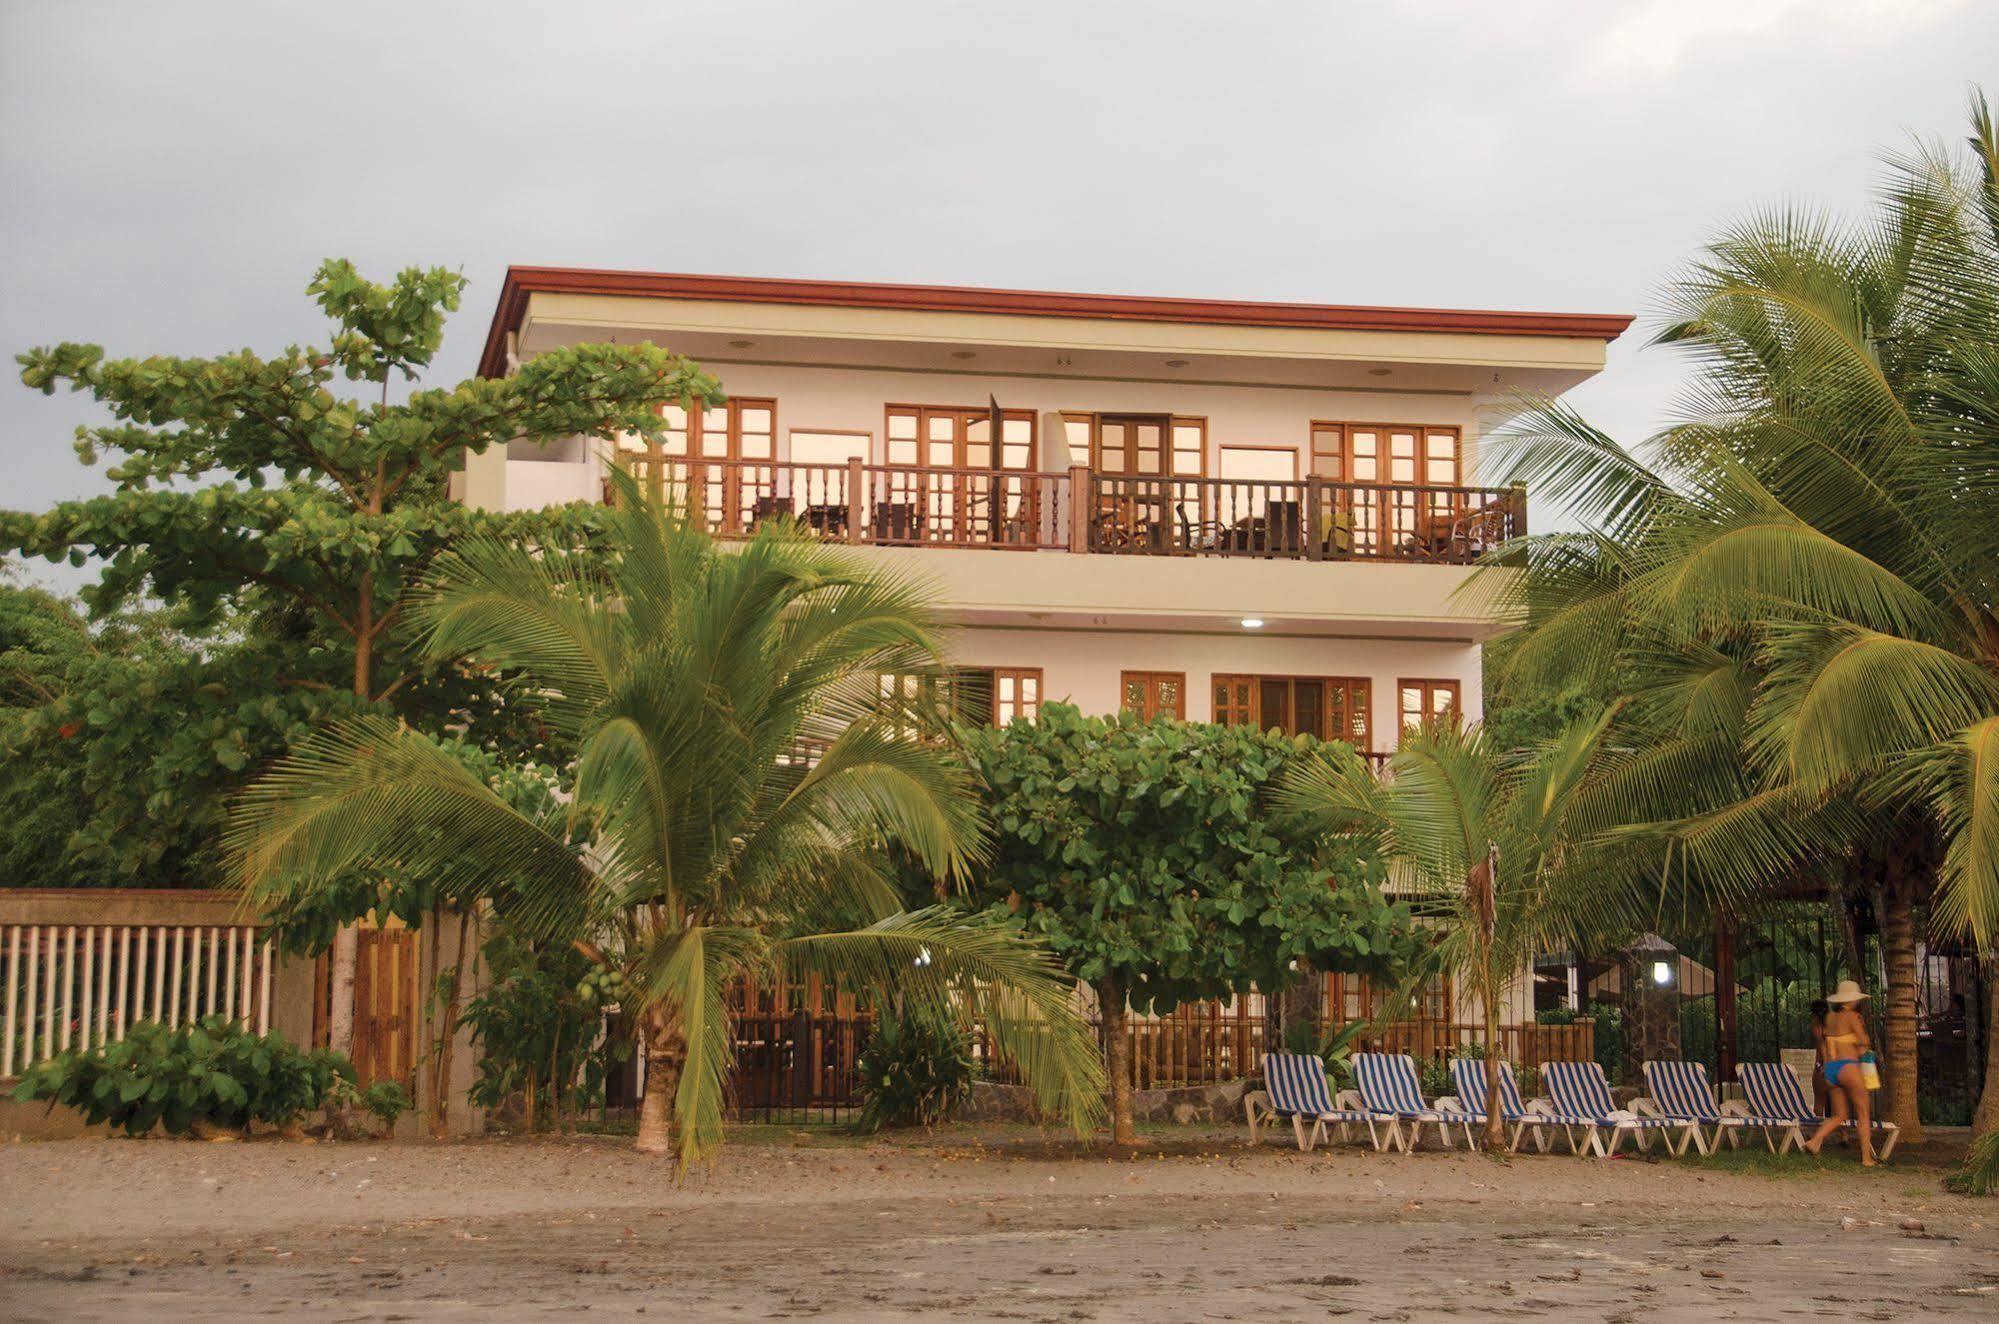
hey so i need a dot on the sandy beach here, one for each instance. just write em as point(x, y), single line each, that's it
point(967, 1224)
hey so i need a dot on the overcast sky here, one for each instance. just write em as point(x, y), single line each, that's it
point(170, 173)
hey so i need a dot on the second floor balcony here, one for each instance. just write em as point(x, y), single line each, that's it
point(1080, 511)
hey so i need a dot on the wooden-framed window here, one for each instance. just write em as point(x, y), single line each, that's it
point(986, 696)
point(1421, 701)
point(1016, 693)
point(739, 437)
point(1386, 453)
point(1150, 693)
point(959, 437)
point(1139, 445)
point(1329, 707)
point(1356, 997)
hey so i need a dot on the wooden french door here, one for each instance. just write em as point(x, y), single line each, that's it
point(1393, 460)
point(1329, 707)
point(730, 497)
point(965, 486)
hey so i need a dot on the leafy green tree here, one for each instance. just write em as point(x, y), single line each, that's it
point(253, 484)
point(97, 789)
point(688, 678)
point(1800, 580)
point(1145, 855)
point(1479, 839)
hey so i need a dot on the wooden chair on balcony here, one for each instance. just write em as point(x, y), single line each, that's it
point(1202, 535)
point(898, 521)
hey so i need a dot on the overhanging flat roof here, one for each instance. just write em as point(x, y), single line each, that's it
point(524, 281)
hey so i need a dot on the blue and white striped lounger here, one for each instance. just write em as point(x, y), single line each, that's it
point(1295, 1087)
point(1390, 1091)
point(1680, 1090)
point(1579, 1098)
point(1468, 1078)
point(1772, 1090)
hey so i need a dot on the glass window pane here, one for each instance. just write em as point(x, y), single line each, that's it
point(901, 424)
point(943, 427)
point(756, 420)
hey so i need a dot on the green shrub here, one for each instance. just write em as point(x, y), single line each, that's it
point(385, 1101)
point(214, 1072)
point(914, 1070)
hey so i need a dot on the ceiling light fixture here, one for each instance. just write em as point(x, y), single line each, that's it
point(1252, 622)
point(741, 344)
point(1176, 363)
point(963, 354)
point(1379, 372)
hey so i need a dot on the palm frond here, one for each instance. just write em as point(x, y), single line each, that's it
point(974, 969)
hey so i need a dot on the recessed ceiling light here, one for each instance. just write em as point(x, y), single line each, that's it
point(1379, 372)
point(1176, 363)
point(963, 354)
point(741, 344)
point(1252, 622)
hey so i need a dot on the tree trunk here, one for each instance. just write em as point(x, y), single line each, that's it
point(666, 1052)
point(440, 1090)
point(1495, 1125)
point(1117, 1059)
point(1986, 1117)
point(346, 943)
point(1898, 1020)
point(340, 1016)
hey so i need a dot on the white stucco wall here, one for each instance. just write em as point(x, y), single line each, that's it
point(1082, 666)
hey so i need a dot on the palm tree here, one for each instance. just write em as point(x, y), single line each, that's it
point(1798, 582)
point(699, 843)
point(1476, 838)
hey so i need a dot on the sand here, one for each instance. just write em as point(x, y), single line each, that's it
point(967, 1224)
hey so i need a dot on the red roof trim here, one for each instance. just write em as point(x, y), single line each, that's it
point(523, 281)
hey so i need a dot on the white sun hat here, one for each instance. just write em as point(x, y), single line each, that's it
point(1846, 994)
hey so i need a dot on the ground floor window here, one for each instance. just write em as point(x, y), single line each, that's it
point(1150, 693)
point(1422, 701)
point(983, 696)
point(1329, 707)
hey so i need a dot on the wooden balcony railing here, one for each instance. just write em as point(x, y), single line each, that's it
point(1077, 511)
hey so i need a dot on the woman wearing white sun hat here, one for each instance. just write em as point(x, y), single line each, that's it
point(1846, 1075)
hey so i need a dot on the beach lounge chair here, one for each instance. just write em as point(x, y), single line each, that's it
point(1295, 1087)
point(1680, 1090)
point(1391, 1093)
point(1579, 1099)
point(1771, 1089)
point(1468, 1078)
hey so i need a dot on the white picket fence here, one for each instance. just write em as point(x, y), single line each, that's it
point(81, 985)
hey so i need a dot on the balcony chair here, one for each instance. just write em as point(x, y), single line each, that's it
point(1196, 535)
point(1295, 1087)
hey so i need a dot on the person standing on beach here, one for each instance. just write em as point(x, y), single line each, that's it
point(1845, 1040)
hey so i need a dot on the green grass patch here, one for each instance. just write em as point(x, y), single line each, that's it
point(1760, 1162)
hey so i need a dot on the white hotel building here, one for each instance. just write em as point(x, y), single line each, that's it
point(1229, 511)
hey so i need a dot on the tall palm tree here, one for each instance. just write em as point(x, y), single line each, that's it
point(698, 845)
point(1476, 838)
point(1798, 582)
